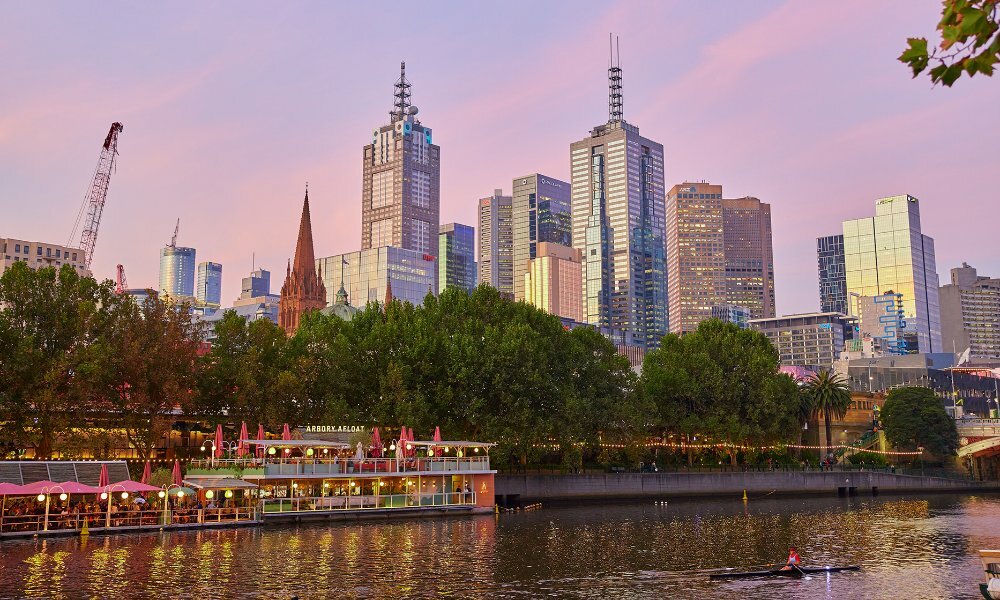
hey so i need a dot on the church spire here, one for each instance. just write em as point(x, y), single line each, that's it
point(304, 256)
point(303, 289)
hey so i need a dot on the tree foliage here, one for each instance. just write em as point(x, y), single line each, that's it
point(914, 418)
point(970, 42)
point(722, 382)
point(828, 395)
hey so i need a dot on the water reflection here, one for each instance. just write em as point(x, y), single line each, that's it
point(927, 547)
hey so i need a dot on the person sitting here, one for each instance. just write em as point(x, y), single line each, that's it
point(794, 560)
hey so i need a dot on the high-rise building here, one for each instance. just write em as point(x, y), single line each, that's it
point(970, 314)
point(731, 313)
point(257, 284)
point(696, 257)
point(40, 254)
point(256, 300)
point(177, 268)
point(541, 212)
point(832, 274)
point(881, 319)
point(888, 253)
point(496, 243)
point(618, 225)
point(456, 257)
point(377, 274)
point(209, 288)
point(401, 189)
point(303, 289)
point(746, 227)
point(552, 281)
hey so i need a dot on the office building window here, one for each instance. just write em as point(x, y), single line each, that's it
point(381, 233)
point(421, 189)
point(382, 189)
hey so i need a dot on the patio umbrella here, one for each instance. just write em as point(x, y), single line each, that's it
point(376, 444)
point(75, 487)
point(11, 489)
point(177, 473)
point(260, 436)
point(147, 473)
point(437, 434)
point(412, 438)
point(241, 446)
point(218, 441)
point(133, 487)
point(286, 433)
point(360, 452)
point(38, 487)
point(103, 480)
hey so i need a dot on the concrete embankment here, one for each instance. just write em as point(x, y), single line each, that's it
point(514, 489)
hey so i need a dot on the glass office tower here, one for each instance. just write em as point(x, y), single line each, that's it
point(889, 254)
point(540, 209)
point(456, 257)
point(177, 267)
point(209, 289)
point(832, 277)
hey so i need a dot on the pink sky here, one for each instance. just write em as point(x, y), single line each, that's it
point(229, 112)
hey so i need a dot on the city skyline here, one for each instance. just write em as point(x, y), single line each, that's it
point(817, 125)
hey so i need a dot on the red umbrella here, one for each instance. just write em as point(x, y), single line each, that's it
point(376, 444)
point(410, 437)
point(260, 436)
point(286, 433)
point(103, 480)
point(131, 486)
point(177, 473)
point(146, 473)
point(218, 441)
point(241, 447)
point(437, 434)
point(74, 487)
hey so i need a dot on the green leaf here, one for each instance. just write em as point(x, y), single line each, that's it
point(973, 20)
point(917, 49)
point(951, 74)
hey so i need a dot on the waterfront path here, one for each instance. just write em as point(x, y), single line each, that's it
point(514, 488)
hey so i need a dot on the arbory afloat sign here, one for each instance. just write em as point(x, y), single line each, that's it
point(333, 428)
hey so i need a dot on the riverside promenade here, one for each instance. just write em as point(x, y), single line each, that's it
point(512, 489)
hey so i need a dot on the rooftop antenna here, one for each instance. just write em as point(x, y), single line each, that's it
point(402, 95)
point(615, 80)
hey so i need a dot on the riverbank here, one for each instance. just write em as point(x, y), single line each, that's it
point(514, 489)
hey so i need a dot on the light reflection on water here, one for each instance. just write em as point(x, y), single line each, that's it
point(911, 548)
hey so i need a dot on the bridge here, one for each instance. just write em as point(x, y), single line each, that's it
point(979, 444)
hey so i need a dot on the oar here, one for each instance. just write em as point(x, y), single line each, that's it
point(801, 572)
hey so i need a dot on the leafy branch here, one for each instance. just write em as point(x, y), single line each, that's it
point(970, 43)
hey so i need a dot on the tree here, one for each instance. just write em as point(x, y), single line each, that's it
point(49, 321)
point(913, 417)
point(722, 382)
point(970, 42)
point(146, 367)
point(829, 396)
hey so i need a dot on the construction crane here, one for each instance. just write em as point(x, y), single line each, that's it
point(93, 202)
point(121, 284)
point(177, 228)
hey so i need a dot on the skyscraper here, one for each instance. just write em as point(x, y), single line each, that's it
point(496, 243)
point(541, 212)
point(746, 227)
point(552, 281)
point(832, 274)
point(177, 268)
point(209, 289)
point(257, 284)
point(696, 258)
point(970, 314)
point(256, 300)
point(618, 225)
point(456, 257)
point(303, 289)
point(377, 274)
point(888, 253)
point(401, 197)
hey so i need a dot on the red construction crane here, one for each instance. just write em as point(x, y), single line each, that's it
point(98, 192)
point(121, 284)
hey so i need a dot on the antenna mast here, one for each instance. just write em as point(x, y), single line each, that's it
point(402, 95)
point(615, 81)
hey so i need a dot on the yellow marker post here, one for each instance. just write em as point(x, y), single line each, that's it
point(85, 530)
point(745, 496)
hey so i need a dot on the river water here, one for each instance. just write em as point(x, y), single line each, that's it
point(908, 548)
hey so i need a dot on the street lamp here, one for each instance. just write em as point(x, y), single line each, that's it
point(164, 495)
point(921, 449)
point(226, 447)
point(108, 491)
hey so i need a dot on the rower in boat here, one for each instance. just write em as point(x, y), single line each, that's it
point(794, 560)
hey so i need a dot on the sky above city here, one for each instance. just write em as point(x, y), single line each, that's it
point(230, 108)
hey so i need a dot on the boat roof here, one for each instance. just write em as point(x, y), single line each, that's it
point(455, 443)
point(217, 483)
point(298, 444)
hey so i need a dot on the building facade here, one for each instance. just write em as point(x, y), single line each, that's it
point(618, 225)
point(303, 289)
point(732, 313)
point(552, 281)
point(208, 290)
point(40, 254)
point(832, 274)
point(883, 319)
point(812, 339)
point(177, 269)
point(889, 253)
point(456, 257)
point(541, 213)
point(256, 300)
point(375, 274)
point(496, 243)
point(401, 186)
point(746, 227)
point(696, 257)
point(970, 314)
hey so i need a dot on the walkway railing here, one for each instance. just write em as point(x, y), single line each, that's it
point(33, 523)
point(366, 502)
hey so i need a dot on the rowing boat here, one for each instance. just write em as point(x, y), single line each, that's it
point(796, 572)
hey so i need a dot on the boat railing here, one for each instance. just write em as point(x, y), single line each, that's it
point(366, 502)
point(313, 465)
point(152, 517)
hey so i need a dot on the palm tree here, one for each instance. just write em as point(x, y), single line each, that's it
point(830, 396)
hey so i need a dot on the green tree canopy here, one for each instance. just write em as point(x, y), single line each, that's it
point(828, 395)
point(970, 42)
point(914, 417)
